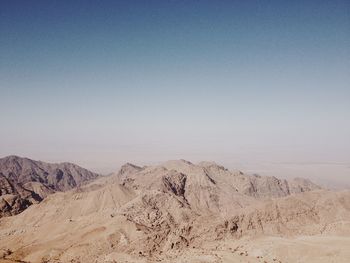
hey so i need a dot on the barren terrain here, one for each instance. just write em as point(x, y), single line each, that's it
point(182, 212)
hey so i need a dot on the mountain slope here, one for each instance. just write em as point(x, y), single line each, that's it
point(168, 213)
point(14, 198)
point(59, 177)
point(208, 187)
point(24, 181)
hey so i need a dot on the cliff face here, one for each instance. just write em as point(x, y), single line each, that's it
point(14, 198)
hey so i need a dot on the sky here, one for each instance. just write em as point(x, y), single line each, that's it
point(100, 83)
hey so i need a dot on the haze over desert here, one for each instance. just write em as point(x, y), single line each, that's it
point(174, 131)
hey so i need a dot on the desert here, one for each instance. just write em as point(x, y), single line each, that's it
point(176, 212)
point(175, 131)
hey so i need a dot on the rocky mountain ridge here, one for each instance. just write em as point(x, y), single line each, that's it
point(24, 182)
point(169, 213)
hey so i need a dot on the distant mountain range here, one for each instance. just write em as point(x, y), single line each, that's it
point(24, 181)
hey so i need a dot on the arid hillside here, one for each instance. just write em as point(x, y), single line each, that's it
point(24, 182)
point(182, 212)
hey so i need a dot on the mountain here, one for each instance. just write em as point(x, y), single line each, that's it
point(210, 187)
point(181, 212)
point(24, 182)
point(14, 198)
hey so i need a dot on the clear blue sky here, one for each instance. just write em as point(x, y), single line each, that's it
point(103, 82)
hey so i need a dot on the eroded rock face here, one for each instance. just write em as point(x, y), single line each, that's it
point(152, 212)
point(14, 198)
point(260, 186)
point(210, 187)
point(175, 182)
point(128, 169)
point(59, 177)
point(30, 181)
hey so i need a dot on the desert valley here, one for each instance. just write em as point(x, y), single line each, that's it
point(177, 211)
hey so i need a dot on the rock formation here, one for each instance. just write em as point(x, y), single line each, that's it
point(177, 212)
point(24, 181)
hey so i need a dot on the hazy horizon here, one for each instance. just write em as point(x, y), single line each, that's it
point(244, 84)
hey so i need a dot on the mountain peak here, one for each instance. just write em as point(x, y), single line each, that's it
point(38, 179)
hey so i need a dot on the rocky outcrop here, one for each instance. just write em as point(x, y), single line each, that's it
point(14, 198)
point(311, 213)
point(128, 169)
point(156, 212)
point(210, 187)
point(24, 181)
point(259, 186)
point(175, 182)
point(58, 177)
